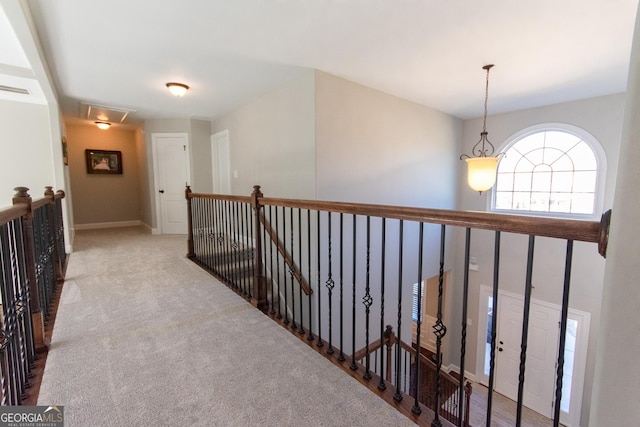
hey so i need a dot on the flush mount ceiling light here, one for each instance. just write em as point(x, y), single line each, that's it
point(177, 89)
point(103, 125)
point(481, 174)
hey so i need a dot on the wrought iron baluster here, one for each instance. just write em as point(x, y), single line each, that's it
point(367, 300)
point(341, 308)
point(319, 343)
point(382, 385)
point(563, 332)
point(310, 336)
point(463, 339)
point(277, 233)
point(494, 325)
point(525, 329)
point(416, 406)
point(251, 258)
point(284, 266)
point(439, 330)
point(271, 243)
point(398, 396)
point(353, 365)
point(330, 283)
point(300, 292)
point(294, 326)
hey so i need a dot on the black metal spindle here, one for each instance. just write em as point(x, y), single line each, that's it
point(563, 332)
point(341, 308)
point(294, 326)
point(251, 257)
point(330, 283)
point(525, 330)
point(284, 266)
point(300, 290)
point(494, 324)
point(439, 330)
point(310, 336)
point(416, 406)
point(382, 385)
point(463, 339)
point(367, 300)
point(271, 244)
point(353, 365)
point(277, 233)
point(319, 343)
point(398, 396)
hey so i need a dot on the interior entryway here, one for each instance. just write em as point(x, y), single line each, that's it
point(172, 175)
point(541, 361)
point(221, 173)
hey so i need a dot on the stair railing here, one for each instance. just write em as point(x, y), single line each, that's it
point(32, 264)
point(361, 262)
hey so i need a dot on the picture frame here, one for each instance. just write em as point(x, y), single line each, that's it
point(65, 154)
point(103, 162)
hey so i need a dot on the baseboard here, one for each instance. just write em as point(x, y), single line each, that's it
point(115, 224)
point(148, 228)
point(455, 368)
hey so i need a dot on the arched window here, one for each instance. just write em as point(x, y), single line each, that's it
point(550, 170)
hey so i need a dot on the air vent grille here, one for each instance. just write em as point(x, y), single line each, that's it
point(15, 90)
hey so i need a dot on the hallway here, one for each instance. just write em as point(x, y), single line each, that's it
point(145, 337)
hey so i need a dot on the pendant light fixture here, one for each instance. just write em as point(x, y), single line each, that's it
point(481, 169)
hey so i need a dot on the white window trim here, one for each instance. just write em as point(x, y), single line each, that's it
point(601, 159)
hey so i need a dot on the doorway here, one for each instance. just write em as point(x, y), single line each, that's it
point(543, 337)
point(171, 172)
point(220, 162)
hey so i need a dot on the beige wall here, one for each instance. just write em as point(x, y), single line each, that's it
point(272, 142)
point(103, 198)
point(377, 148)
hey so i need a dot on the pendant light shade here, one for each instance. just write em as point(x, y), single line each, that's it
point(481, 169)
point(481, 173)
point(103, 125)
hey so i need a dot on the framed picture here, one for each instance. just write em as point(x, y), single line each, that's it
point(103, 161)
point(65, 154)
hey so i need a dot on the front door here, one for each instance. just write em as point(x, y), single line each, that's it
point(171, 165)
point(539, 384)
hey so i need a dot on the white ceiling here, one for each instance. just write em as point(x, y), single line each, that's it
point(427, 51)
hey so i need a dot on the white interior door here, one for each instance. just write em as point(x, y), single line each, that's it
point(220, 162)
point(539, 384)
point(172, 172)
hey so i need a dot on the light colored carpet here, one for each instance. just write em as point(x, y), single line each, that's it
point(145, 337)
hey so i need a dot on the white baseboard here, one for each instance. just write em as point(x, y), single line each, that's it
point(115, 224)
point(455, 368)
point(155, 231)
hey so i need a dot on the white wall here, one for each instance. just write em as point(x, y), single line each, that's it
point(615, 391)
point(272, 142)
point(25, 143)
point(602, 118)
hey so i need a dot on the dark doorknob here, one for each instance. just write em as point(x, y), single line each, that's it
point(499, 348)
point(161, 191)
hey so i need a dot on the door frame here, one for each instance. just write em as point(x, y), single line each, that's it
point(215, 161)
point(154, 155)
point(572, 418)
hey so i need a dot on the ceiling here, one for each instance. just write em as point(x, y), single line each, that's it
point(427, 51)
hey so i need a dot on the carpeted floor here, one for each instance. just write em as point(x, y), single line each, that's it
point(143, 337)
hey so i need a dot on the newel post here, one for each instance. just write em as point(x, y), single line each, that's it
point(22, 197)
point(57, 264)
point(190, 250)
point(259, 294)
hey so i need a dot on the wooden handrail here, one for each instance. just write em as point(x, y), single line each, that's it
point(585, 231)
point(287, 258)
point(12, 212)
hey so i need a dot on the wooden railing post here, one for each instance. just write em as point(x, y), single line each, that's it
point(190, 250)
point(259, 294)
point(22, 196)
